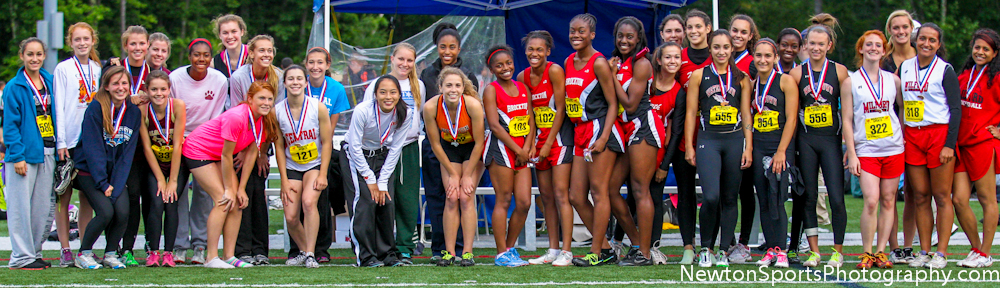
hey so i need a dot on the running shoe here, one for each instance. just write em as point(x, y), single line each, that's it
point(311, 262)
point(65, 258)
point(180, 255)
point(813, 260)
point(374, 264)
point(688, 257)
point(434, 259)
point(908, 255)
point(199, 255)
point(804, 244)
point(153, 259)
point(111, 261)
point(938, 261)
point(896, 256)
point(467, 260)
point(34, 266)
point(705, 258)
point(64, 174)
point(447, 259)
point(236, 262)
point(260, 259)
point(85, 260)
point(515, 258)
point(769, 257)
point(882, 261)
point(589, 260)
point(739, 254)
point(721, 259)
point(564, 259)
point(248, 259)
point(782, 261)
point(618, 248)
point(404, 258)
point(658, 257)
point(793, 257)
point(128, 259)
point(218, 264)
point(981, 262)
point(632, 253)
point(324, 259)
point(168, 260)
point(867, 261)
point(638, 259)
point(921, 260)
point(297, 261)
point(836, 259)
point(609, 258)
point(972, 255)
point(547, 258)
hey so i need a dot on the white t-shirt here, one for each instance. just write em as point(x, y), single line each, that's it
point(204, 99)
point(416, 127)
point(70, 100)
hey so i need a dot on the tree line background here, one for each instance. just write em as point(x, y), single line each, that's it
point(289, 22)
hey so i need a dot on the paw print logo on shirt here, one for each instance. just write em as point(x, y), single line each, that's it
point(209, 95)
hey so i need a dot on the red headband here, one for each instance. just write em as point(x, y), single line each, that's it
point(200, 40)
point(491, 55)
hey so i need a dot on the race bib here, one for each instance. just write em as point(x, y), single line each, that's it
point(621, 109)
point(819, 116)
point(460, 138)
point(573, 108)
point(163, 153)
point(304, 154)
point(45, 126)
point(878, 127)
point(723, 115)
point(766, 121)
point(518, 126)
point(544, 116)
point(914, 111)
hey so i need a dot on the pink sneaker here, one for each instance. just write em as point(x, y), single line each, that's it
point(168, 259)
point(767, 259)
point(153, 259)
point(782, 258)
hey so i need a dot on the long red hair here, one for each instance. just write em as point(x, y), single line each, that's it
point(270, 120)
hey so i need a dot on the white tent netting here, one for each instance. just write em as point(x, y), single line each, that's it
point(356, 67)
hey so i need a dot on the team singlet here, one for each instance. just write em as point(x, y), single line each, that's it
point(513, 110)
point(624, 77)
point(452, 132)
point(544, 106)
point(584, 96)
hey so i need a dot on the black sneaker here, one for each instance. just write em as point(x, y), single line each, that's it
point(635, 259)
point(908, 254)
point(629, 257)
point(589, 260)
point(43, 262)
point(793, 257)
point(446, 259)
point(374, 264)
point(609, 258)
point(31, 266)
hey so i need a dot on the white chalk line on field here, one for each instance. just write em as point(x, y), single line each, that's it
point(470, 284)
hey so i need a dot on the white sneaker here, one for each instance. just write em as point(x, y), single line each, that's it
point(549, 256)
point(297, 261)
point(921, 260)
point(111, 261)
point(198, 257)
point(937, 261)
point(658, 257)
point(968, 259)
point(739, 254)
point(721, 259)
point(982, 262)
point(705, 258)
point(218, 264)
point(564, 259)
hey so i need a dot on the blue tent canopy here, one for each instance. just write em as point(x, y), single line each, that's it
point(523, 16)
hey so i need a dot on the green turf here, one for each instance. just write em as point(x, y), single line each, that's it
point(338, 273)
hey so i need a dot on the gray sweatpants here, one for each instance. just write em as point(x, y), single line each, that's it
point(30, 209)
point(193, 221)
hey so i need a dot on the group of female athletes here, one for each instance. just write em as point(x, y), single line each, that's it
point(750, 116)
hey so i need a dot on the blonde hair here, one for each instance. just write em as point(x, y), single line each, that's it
point(272, 72)
point(412, 76)
point(824, 23)
point(135, 29)
point(469, 89)
point(888, 24)
point(217, 24)
point(93, 34)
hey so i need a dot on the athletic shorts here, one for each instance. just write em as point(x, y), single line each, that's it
point(558, 155)
point(497, 151)
point(297, 175)
point(975, 159)
point(887, 167)
point(924, 144)
point(647, 128)
point(191, 164)
point(586, 133)
point(458, 154)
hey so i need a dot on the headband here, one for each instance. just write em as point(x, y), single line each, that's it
point(768, 41)
point(491, 55)
point(197, 40)
point(320, 49)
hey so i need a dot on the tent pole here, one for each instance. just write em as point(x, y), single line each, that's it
point(326, 20)
point(715, 14)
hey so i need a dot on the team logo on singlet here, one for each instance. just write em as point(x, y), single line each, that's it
point(209, 95)
point(537, 96)
point(873, 107)
point(656, 106)
point(574, 81)
point(516, 107)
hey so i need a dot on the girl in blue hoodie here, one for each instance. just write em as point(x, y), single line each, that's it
point(110, 127)
point(31, 146)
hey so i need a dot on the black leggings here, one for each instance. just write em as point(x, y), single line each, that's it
point(155, 219)
point(773, 218)
point(687, 199)
point(718, 159)
point(748, 204)
point(110, 216)
point(134, 185)
point(820, 152)
point(656, 193)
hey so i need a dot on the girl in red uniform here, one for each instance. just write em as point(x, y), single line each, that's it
point(590, 93)
point(665, 93)
point(977, 149)
point(509, 147)
point(696, 55)
point(546, 82)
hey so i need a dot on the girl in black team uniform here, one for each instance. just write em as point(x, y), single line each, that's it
point(745, 35)
point(819, 140)
point(775, 109)
point(789, 42)
point(715, 93)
